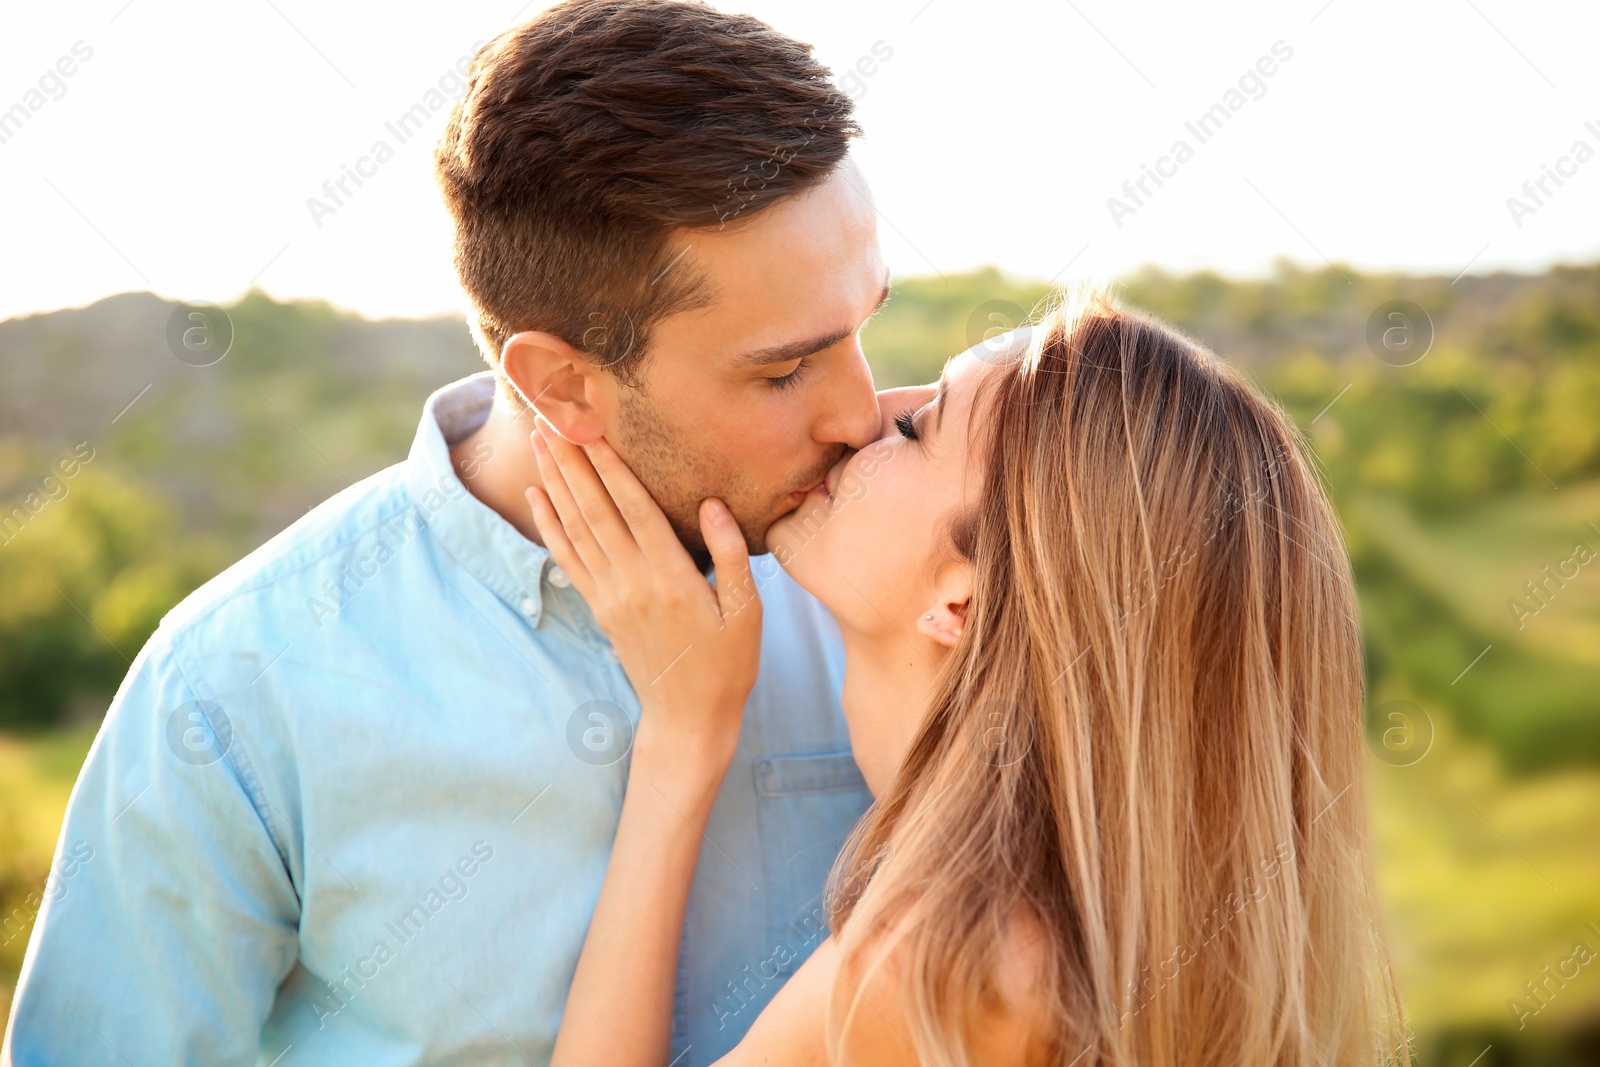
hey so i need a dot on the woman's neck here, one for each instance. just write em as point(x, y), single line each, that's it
point(888, 681)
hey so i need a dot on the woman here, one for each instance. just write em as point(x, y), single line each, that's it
point(1103, 677)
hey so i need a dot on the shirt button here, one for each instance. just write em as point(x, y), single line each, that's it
point(558, 578)
point(528, 607)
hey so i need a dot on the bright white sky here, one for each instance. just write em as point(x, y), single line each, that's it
point(181, 154)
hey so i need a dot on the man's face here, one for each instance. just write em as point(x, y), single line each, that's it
point(753, 398)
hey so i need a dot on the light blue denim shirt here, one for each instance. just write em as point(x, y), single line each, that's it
point(354, 802)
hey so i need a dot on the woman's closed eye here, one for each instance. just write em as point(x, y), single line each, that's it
point(906, 424)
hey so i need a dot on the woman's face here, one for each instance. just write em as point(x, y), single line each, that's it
point(873, 542)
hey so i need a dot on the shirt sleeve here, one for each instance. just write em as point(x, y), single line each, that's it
point(169, 917)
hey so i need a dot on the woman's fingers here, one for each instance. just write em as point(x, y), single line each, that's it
point(648, 523)
point(573, 523)
point(555, 539)
point(591, 495)
point(737, 597)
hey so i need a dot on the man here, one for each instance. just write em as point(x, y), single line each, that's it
point(355, 800)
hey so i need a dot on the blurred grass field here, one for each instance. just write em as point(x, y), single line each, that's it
point(1460, 480)
point(1489, 875)
point(36, 776)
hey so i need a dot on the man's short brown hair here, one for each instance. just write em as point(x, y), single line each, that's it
point(590, 133)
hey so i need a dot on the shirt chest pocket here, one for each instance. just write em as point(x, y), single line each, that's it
point(806, 806)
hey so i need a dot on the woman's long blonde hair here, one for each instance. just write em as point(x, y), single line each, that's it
point(1149, 736)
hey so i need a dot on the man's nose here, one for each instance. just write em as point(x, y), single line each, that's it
point(852, 416)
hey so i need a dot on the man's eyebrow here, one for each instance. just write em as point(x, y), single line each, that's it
point(793, 350)
point(800, 349)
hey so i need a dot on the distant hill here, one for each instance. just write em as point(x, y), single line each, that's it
point(306, 399)
point(1255, 322)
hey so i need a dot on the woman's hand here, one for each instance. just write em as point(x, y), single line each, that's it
point(691, 649)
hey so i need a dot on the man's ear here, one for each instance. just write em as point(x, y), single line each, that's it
point(555, 379)
point(945, 620)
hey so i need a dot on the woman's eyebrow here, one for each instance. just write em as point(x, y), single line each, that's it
point(937, 404)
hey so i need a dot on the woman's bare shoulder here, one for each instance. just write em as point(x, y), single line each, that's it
point(1018, 1029)
point(790, 1032)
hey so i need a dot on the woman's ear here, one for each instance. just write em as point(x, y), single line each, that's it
point(553, 378)
point(945, 620)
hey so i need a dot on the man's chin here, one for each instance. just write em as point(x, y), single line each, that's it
point(759, 535)
point(755, 536)
point(780, 531)
point(797, 528)
point(695, 545)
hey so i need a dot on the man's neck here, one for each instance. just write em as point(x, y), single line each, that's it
point(496, 463)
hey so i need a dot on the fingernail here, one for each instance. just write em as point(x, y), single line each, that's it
point(719, 511)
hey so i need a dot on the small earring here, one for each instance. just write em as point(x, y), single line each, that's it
point(929, 616)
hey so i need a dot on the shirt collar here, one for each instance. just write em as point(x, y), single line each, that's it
point(476, 536)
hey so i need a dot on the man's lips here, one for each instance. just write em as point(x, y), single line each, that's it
point(829, 483)
point(819, 490)
point(824, 487)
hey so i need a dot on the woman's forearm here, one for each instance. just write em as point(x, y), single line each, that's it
point(619, 1010)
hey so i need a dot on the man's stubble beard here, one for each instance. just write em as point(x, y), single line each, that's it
point(680, 468)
